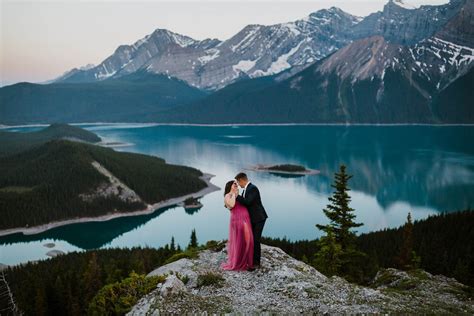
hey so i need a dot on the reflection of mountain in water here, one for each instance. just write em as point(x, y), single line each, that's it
point(89, 235)
point(423, 165)
point(416, 164)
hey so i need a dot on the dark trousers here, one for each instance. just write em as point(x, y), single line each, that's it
point(257, 229)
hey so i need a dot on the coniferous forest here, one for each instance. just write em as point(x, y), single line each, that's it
point(43, 183)
point(95, 282)
point(65, 285)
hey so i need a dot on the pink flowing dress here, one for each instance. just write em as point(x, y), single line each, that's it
point(240, 243)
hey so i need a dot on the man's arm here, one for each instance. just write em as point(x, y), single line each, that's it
point(250, 197)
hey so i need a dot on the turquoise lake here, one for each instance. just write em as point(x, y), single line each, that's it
point(424, 170)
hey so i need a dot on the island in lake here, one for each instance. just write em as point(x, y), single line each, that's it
point(284, 169)
point(191, 203)
point(48, 181)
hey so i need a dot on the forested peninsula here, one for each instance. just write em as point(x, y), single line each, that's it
point(48, 181)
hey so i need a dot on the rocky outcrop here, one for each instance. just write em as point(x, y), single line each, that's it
point(114, 187)
point(286, 285)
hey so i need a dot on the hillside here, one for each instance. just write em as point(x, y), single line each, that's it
point(130, 98)
point(14, 142)
point(63, 180)
point(285, 285)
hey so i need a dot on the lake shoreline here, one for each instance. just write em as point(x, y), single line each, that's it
point(151, 208)
point(151, 124)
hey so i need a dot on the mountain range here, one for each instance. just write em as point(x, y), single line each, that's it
point(399, 65)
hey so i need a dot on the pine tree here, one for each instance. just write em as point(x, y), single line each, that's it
point(341, 216)
point(407, 258)
point(172, 246)
point(328, 258)
point(338, 254)
point(41, 303)
point(92, 277)
point(193, 241)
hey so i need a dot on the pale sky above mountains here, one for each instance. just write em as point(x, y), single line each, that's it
point(40, 40)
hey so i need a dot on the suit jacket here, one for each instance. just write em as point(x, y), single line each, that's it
point(253, 202)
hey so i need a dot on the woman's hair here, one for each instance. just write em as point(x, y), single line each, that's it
point(228, 186)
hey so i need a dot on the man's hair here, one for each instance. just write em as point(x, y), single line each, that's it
point(241, 176)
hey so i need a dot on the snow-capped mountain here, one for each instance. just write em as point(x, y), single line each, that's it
point(371, 80)
point(439, 59)
point(257, 50)
point(415, 65)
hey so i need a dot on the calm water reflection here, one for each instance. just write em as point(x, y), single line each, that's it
point(422, 169)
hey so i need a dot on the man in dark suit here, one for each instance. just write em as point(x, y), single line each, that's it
point(251, 199)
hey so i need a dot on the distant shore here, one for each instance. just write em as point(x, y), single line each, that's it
point(206, 177)
point(151, 124)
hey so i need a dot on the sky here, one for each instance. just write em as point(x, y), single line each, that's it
point(40, 40)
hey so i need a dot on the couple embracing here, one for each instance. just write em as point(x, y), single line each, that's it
point(247, 219)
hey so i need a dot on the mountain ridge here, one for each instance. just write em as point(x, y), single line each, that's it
point(211, 63)
point(373, 79)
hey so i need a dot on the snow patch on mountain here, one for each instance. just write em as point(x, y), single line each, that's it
point(244, 66)
point(211, 54)
point(280, 64)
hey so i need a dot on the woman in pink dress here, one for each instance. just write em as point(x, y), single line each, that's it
point(240, 244)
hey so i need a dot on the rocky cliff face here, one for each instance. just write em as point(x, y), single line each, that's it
point(285, 285)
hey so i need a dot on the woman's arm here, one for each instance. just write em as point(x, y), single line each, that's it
point(229, 200)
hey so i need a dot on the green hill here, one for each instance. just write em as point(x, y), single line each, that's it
point(14, 142)
point(131, 98)
point(57, 181)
